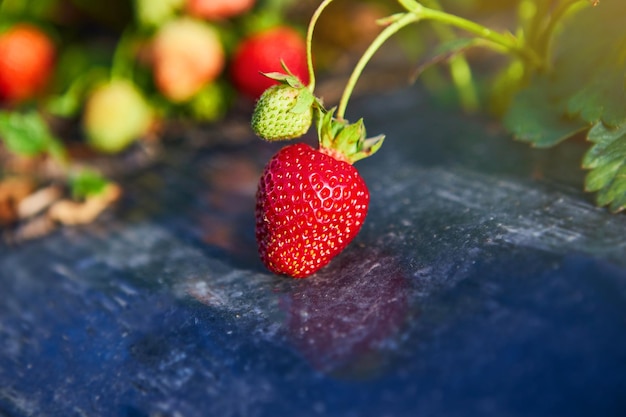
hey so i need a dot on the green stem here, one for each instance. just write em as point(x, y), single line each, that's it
point(382, 37)
point(122, 61)
point(545, 37)
point(537, 12)
point(508, 42)
point(505, 43)
point(309, 42)
point(460, 70)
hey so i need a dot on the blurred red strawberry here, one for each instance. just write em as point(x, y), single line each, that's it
point(26, 62)
point(218, 9)
point(187, 55)
point(262, 52)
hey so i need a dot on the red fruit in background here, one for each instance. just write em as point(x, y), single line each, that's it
point(309, 207)
point(26, 62)
point(262, 52)
point(218, 9)
point(187, 55)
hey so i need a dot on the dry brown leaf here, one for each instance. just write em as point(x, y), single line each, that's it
point(12, 191)
point(70, 212)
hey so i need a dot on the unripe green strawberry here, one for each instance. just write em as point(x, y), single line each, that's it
point(116, 114)
point(154, 13)
point(283, 112)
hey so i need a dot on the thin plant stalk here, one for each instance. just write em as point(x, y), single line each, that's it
point(309, 42)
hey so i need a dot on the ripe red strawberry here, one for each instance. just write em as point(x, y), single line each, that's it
point(312, 203)
point(262, 52)
point(218, 9)
point(188, 55)
point(309, 207)
point(26, 62)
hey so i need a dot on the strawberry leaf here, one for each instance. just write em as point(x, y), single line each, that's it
point(602, 99)
point(590, 64)
point(584, 83)
point(87, 183)
point(538, 118)
point(28, 134)
point(606, 160)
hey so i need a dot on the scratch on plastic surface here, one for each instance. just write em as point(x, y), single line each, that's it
point(201, 291)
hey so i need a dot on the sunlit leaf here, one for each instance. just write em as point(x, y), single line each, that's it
point(607, 145)
point(606, 160)
point(584, 84)
point(590, 63)
point(27, 133)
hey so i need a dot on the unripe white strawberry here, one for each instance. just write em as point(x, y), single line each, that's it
point(116, 114)
point(283, 112)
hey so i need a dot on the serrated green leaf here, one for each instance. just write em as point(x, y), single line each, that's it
point(606, 145)
point(602, 176)
point(590, 65)
point(27, 134)
point(584, 83)
point(613, 194)
point(619, 192)
point(536, 118)
point(607, 161)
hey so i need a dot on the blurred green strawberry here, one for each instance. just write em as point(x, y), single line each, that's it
point(154, 13)
point(26, 62)
point(210, 103)
point(116, 114)
point(218, 9)
point(187, 55)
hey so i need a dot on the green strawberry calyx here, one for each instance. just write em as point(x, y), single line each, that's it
point(337, 137)
point(343, 140)
point(305, 99)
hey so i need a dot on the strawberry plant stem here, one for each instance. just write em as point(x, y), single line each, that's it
point(460, 71)
point(503, 43)
point(398, 23)
point(507, 42)
point(122, 61)
point(309, 42)
point(545, 37)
